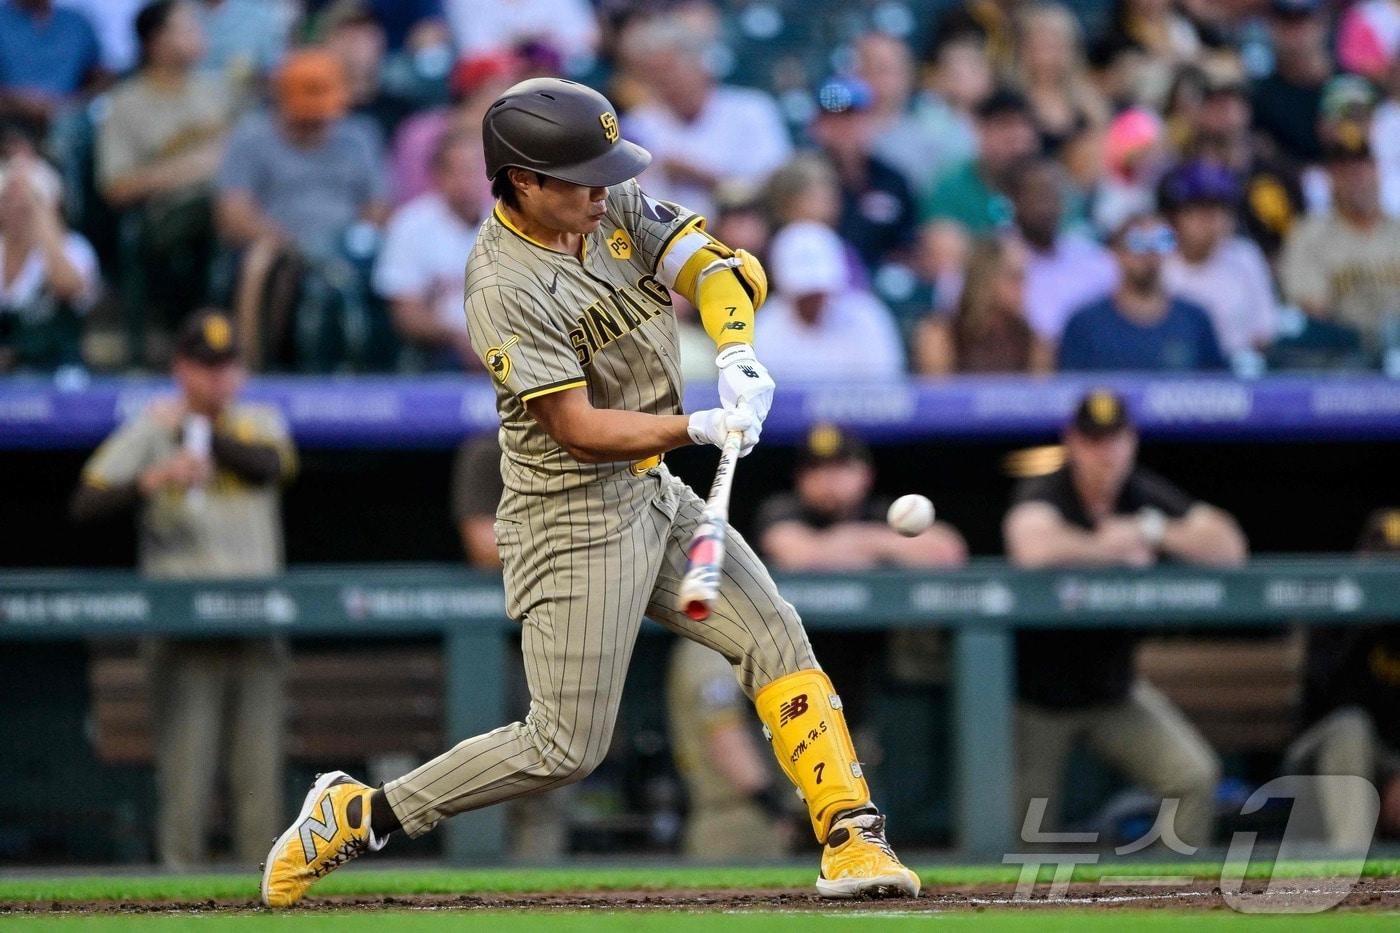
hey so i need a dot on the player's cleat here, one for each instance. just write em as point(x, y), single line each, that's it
point(858, 862)
point(331, 829)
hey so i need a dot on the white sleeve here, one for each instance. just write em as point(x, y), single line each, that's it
point(81, 254)
point(879, 346)
point(768, 145)
point(1263, 305)
point(399, 270)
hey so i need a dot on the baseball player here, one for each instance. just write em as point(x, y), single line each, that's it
point(568, 304)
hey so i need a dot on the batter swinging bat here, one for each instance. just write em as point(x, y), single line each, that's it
point(705, 552)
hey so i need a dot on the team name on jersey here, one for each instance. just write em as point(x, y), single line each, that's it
point(610, 319)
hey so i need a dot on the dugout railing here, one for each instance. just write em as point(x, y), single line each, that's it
point(980, 606)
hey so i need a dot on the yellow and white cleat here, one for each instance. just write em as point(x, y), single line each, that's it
point(331, 829)
point(858, 862)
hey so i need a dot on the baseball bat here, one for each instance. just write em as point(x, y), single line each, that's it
point(705, 552)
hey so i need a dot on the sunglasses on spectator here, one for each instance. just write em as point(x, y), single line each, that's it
point(1144, 241)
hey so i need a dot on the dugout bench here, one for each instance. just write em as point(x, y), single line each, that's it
point(980, 606)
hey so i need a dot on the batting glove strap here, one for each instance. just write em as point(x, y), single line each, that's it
point(743, 380)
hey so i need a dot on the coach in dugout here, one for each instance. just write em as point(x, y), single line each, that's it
point(1102, 509)
point(202, 471)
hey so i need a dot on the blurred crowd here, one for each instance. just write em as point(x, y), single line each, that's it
point(935, 187)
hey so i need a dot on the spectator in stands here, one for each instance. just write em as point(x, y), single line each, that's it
point(1385, 136)
point(1141, 326)
point(989, 23)
point(1065, 268)
point(920, 135)
point(1288, 101)
point(1350, 695)
point(353, 35)
point(973, 194)
point(988, 333)
point(1368, 39)
point(877, 207)
point(49, 57)
point(1225, 274)
point(246, 39)
point(739, 806)
point(831, 520)
point(202, 471)
point(1344, 266)
point(1052, 73)
point(421, 266)
point(302, 180)
point(158, 150)
point(1147, 40)
point(1102, 509)
point(570, 26)
point(48, 274)
point(412, 24)
point(817, 326)
point(475, 84)
point(699, 133)
point(1272, 195)
point(1134, 156)
point(806, 189)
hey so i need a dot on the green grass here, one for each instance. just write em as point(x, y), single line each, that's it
point(1030, 921)
point(595, 878)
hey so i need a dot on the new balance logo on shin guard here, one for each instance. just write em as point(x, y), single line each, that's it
point(792, 709)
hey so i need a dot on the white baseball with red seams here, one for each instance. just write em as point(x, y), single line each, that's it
point(910, 515)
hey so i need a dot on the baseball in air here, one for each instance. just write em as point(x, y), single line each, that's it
point(911, 515)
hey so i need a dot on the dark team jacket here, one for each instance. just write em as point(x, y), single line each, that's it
point(1079, 668)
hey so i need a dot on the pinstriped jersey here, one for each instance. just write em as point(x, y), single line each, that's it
point(543, 321)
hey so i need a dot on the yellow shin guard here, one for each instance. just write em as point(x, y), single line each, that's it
point(802, 718)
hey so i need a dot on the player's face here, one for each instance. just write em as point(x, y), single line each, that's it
point(1101, 463)
point(835, 489)
point(209, 389)
point(567, 208)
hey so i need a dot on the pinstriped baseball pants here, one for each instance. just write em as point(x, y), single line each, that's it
point(582, 567)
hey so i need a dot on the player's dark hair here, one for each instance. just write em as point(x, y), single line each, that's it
point(504, 191)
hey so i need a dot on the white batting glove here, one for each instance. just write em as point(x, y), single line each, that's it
point(712, 426)
point(743, 380)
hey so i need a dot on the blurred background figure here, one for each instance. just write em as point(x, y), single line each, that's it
point(1134, 157)
point(246, 41)
point(974, 193)
point(1344, 267)
point(832, 521)
point(878, 212)
point(569, 26)
point(740, 808)
point(1225, 274)
point(421, 269)
point(476, 491)
point(202, 471)
point(1350, 696)
point(699, 132)
point(816, 325)
point(1288, 101)
point(988, 333)
point(300, 188)
point(1065, 267)
point(1079, 686)
point(49, 59)
point(1052, 72)
point(1141, 326)
point(158, 151)
point(48, 273)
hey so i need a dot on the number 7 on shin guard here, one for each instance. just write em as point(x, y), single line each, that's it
point(802, 718)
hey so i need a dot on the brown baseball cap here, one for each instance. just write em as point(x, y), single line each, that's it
point(1101, 413)
point(207, 338)
point(826, 443)
point(1382, 532)
point(311, 85)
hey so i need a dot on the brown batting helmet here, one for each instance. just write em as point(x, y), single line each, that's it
point(562, 129)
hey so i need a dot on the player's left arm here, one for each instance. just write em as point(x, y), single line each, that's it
point(1186, 528)
point(255, 445)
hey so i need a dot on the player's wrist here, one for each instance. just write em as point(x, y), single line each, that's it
point(733, 354)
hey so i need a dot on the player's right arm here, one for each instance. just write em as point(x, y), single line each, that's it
point(604, 435)
point(1038, 536)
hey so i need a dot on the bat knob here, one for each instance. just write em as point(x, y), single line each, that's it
point(697, 610)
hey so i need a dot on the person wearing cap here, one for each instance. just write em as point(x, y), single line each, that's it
point(1102, 509)
point(818, 326)
point(1288, 101)
point(1226, 275)
point(700, 133)
point(1344, 266)
point(304, 172)
point(49, 277)
point(1141, 326)
point(973, 194)
point(1351, 692)
point(878, 212)
point(419, 270)
point(203, 470)
point(568, 304)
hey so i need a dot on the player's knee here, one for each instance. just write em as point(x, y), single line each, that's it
point(1349, 724)
point(570, 760)
point(1197, 773)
